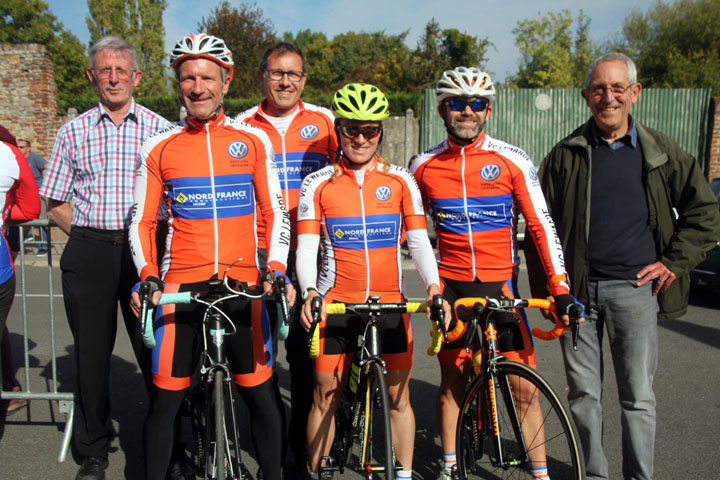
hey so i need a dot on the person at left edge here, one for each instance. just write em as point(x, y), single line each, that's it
point(209, 173)
point(89, 188)
point(304, 141)
point(19, 200)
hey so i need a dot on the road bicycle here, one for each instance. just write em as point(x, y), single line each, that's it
point(363, 435)
point(498, 434)
point(210, 402)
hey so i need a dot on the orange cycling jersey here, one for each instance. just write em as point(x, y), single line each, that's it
point(363, 226)
point(307, 146)
point(210, 177)
point(474, 193)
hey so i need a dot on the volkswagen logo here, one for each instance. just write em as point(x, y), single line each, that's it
point(533, 174)
point(238, 149)
point(309, 132)
point(490, 172)
point(383, 193)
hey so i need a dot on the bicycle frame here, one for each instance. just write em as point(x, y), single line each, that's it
point(370, 353)
point(215, 374)
point(482, 330)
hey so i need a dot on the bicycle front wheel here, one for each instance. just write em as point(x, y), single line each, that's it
point(512, 422)
point(378, 456)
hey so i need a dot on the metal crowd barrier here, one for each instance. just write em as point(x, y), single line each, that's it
point(65, 399)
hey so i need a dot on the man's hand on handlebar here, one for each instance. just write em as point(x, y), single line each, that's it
point(156, 290)
point(562, 303)
point(306, 317)
point(290, 292)
point(434, 289)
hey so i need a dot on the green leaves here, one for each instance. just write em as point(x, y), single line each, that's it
point(30, 21)
point(551, 55)
point(139, 22)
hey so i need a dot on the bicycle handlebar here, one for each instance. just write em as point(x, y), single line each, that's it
point(475, 305)
point(372, 307)
point(146, 321)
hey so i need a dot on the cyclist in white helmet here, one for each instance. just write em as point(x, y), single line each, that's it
point(209, 173)
point(474, 186)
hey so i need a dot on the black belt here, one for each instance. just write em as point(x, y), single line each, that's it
point(112, 236)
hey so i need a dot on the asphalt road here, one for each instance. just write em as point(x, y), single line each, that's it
point(687, 387)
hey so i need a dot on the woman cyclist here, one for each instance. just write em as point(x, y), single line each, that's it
point(362, 208)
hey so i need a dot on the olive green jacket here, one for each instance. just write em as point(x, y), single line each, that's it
point(683, 212)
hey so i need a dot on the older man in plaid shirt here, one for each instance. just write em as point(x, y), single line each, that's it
point(89, 186)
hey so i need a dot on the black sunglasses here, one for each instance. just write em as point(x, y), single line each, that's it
point(369, 132)
point(458, 104)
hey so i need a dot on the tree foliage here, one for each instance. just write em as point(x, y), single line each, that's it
point(675, 45)
point(139, 22)
point(247, 34)
point(439, 50)
point(551, 56)
point(30, 21)
point(385, 60)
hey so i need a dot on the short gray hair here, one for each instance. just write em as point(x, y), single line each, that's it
point(116, 44)
point(609, 57)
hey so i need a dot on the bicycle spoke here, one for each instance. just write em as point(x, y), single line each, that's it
point(528, 413)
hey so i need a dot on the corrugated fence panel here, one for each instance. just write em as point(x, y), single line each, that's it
point(535, 120)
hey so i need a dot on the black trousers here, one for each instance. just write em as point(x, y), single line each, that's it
point(97, 275)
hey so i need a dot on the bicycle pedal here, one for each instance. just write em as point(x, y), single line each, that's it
point(326, 472)
point(245, 473)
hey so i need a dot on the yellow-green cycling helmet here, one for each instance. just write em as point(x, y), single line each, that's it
point(360, 101)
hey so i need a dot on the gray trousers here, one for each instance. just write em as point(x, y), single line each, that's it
point(629, 314)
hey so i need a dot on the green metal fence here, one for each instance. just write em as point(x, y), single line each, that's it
point(535, 120)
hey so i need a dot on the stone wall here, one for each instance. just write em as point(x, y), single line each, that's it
point(401, 139)
point(713, 167)
point(28, 97)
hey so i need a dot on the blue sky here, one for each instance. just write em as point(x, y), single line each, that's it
point(492, 19)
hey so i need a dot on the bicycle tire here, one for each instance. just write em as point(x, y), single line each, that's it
point(216, 463)
point(378, 455)
point(478, 456)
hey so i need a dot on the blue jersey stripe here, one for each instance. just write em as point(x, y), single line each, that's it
point(483, 213)
point(381, 231)
point(193, 199)
point(297, 166)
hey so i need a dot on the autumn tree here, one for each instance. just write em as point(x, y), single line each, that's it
point(675, 45)
point(139, 22)
point(248, 35)
point(30, 21)
point(439, 50)
point(551, 56)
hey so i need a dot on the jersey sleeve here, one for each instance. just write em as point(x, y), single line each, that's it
point(309, 225)
point(416, 231)
point(270, 199)
point(143, 223)
point(539, 224)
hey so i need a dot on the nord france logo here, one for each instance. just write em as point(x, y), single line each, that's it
point(490, 172)
point(237, 149)
point(309, 131)
point(383, 193)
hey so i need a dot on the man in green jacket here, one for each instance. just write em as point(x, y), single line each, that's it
point(634, 215)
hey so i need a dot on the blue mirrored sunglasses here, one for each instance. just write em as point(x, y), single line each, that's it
point(458, 104)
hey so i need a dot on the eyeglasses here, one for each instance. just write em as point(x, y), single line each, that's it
point(278, 75)
point(616, 90)
point(458, 104)
point(106, 72)
point(369, 132)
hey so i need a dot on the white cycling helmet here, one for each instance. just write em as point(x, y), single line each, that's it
point(201, 45)
point(465, 82)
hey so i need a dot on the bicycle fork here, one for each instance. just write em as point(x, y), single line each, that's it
point(216, 363)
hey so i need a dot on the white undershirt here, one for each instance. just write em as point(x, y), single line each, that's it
point(281, 124)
